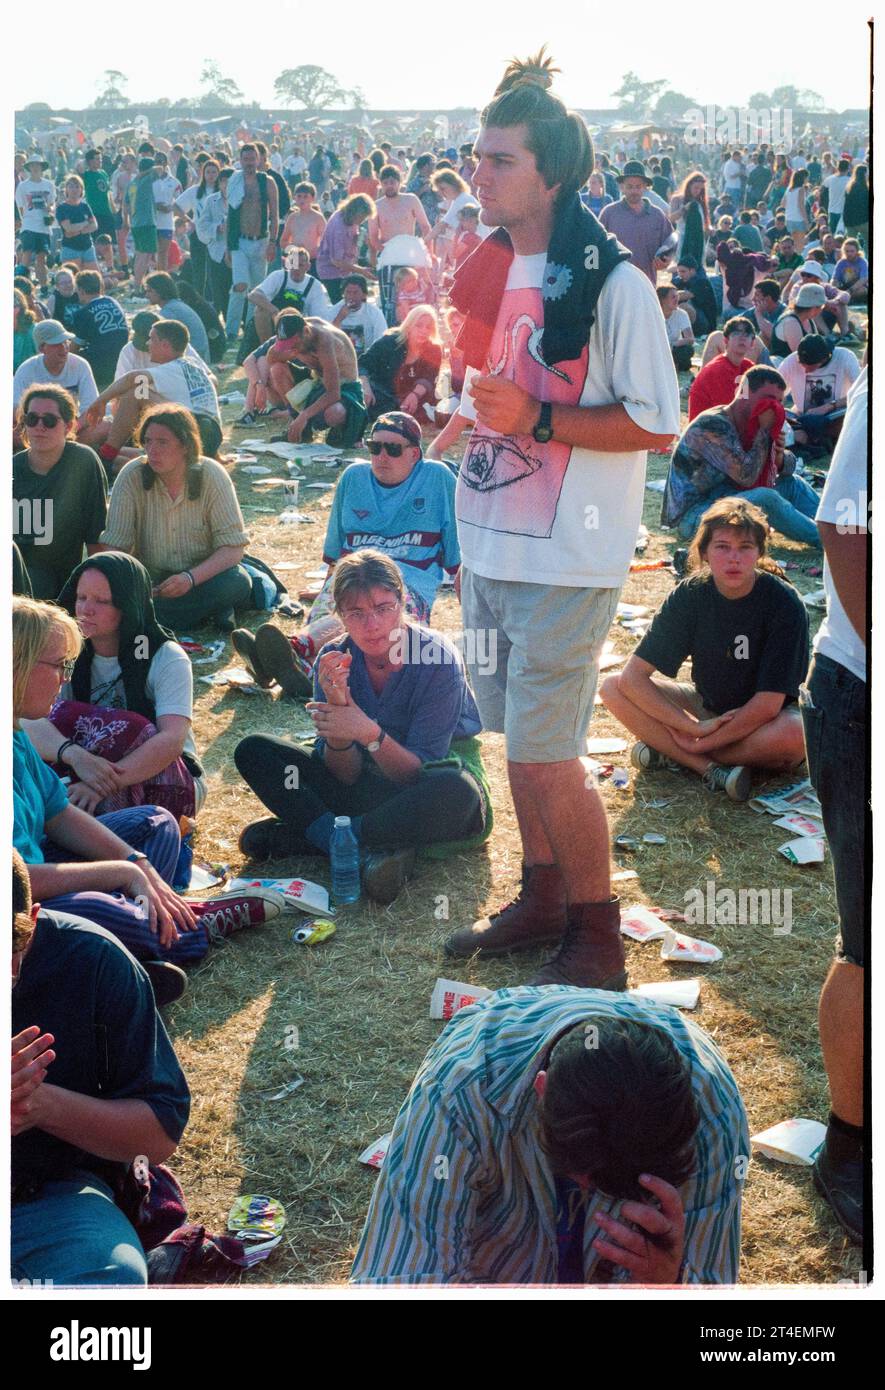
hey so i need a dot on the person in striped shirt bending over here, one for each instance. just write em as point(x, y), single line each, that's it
point(562, 1136)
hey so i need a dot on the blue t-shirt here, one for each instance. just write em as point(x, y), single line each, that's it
point(37, 795)
point(425, 704)
point(80, 984)
point(75, 213)
point(413, 523)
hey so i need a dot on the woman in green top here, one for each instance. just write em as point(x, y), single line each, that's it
point(695, 218)
point(23, 345)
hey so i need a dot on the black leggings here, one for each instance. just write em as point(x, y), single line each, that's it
point(441, 804)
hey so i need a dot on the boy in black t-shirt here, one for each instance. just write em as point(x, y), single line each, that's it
point(746, 633)
point(100, 326)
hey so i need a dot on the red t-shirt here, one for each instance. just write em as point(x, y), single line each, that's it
point(715, 384)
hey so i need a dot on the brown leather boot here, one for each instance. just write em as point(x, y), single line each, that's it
point(534, 918)
point(592, 952)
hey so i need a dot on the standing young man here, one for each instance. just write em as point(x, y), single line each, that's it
point(253, 221)
point(35, 200)
point(396, 214)
point(577, 384)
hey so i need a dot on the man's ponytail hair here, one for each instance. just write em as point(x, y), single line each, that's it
point(558, 138)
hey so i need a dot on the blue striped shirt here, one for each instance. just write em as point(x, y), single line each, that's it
point(466, 1194)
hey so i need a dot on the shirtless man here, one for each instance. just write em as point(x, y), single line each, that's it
point(253, 223)
point(335, 399)
point(305, 224)
point(396, 214)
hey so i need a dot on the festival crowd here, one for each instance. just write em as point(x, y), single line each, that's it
point(532, 302)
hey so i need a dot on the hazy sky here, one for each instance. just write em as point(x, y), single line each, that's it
point(397, 64)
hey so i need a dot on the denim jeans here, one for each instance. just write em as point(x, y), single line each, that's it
point(154, 831)
point(833, 706)
point(74, 1234)
point(249, 267)
point(790, 506)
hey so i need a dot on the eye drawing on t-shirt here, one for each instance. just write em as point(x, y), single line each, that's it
point(513, 483)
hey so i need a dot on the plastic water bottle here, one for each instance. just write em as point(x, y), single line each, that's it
point(345, 855)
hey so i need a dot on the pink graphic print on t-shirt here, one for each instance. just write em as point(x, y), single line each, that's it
point(511, 483)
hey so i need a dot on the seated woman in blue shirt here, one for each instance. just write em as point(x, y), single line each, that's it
point(396, 748)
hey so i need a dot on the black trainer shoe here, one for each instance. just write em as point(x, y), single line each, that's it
point(736, 782)
point(169, 981)
point(273, 839)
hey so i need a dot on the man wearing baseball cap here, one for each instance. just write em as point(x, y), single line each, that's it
point(400, 503)
point(643, 229)
point(835, 311)
point(798, 321)
point(35, 200)
point(55, 364)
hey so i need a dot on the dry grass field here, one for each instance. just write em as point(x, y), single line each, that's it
point(360, 1002)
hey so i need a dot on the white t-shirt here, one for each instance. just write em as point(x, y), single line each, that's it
point(844, 501)
point(169, 685)
point(450, 216)
point(184, 383)
point(295, 165)
point(676, 325)
point(317, 303)
point(133, 359)
point(33, 197)
point(835, 185)
point(166, 190)
point(820, 385)
point(187, 199)
point(77, 378)
point(555, 513)
point(731, 173)
point(363, 326)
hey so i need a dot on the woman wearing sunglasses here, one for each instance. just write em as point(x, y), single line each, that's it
point(396, 750)
point(59, 489)
point(406, 505)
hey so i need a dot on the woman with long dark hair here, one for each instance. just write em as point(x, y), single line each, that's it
point(178, 513)
point(125, 716)
point(796, 208)
point(695, 218)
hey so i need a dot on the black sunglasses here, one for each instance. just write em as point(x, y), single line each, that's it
point(378, 446)
point(48, 422)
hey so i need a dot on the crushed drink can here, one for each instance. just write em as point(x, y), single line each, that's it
point(311, 933)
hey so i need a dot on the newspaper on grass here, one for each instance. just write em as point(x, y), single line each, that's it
point(802, 825)
point(450, 995)
point(804, 850)
point(678, 994)
point(375, 1154)
point(679, 947)
point(795, 1141)
point(302, 893)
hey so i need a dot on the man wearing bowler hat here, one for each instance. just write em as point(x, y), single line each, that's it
point(637, 224)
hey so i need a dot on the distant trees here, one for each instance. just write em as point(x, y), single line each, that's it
point(314, 88)
point(112, 83)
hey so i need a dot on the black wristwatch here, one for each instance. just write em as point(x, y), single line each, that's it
point(543, 431)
